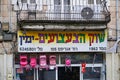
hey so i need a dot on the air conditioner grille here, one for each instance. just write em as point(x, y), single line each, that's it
point(87, 13)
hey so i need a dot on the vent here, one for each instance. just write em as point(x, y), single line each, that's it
point(87, 13)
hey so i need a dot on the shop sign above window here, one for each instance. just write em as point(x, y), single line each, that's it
point(81, 41)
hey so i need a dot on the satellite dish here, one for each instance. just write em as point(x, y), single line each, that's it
point(87, 13)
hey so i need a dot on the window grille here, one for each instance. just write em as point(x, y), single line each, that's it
point(57, 2)
point(98, 1)
point(32, 1)
point(24, 1)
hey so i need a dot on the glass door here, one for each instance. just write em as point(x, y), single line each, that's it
point(94, 73)
point(75, 72)
point(47, 75)
point(72, 73)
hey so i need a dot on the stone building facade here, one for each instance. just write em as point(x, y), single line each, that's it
point(9, 39)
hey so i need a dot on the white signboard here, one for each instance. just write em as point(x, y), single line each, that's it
point(41, 41)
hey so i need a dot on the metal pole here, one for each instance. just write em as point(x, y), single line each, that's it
point(37, 73)
point(34, 73)
point(56, 73)
point(9, 7)
point(5, 76)
point(5, 62)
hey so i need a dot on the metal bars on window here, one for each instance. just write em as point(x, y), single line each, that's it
point(23, 1)
point(90, 1)
point(62, 9)
point(32, 1)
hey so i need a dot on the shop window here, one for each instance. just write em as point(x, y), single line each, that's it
point(17, 59)
point(92, 73)
point(47, 75)
point(23, 74)
point(64, 74)
point(83, 57)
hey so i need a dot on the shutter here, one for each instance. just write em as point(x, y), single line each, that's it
point(50, 8)
point(24, 6)
point(76, 8)
point(15, 7)
point(48, 5)
point(108, 3)
point(52, 5)
point(32, 5)
point(39, 5)
point(14, 1)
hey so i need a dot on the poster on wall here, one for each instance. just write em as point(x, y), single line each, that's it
point(63, 41)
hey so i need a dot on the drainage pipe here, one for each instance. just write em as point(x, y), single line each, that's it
point(117, 19)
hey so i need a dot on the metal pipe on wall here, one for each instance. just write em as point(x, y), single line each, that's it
point(9, 10)
point(113, 54)
point(117, 19)
point(5, 75)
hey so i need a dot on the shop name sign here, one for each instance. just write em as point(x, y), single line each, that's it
point(41, 41)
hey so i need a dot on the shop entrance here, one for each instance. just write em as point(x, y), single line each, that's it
point(62, 73)
point(72, 73)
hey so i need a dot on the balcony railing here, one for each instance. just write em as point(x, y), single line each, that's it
point(66, 13)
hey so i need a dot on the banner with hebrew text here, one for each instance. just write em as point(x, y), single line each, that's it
point(62, 41)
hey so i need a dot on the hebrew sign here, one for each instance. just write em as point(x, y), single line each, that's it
point(64, 41)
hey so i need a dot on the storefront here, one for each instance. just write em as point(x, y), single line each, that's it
point(72, 55)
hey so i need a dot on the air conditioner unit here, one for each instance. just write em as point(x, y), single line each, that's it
point(88, 12)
